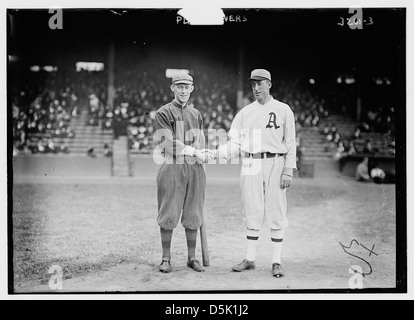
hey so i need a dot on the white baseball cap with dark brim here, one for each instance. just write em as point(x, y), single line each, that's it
point(182, 78)
point(260, 74)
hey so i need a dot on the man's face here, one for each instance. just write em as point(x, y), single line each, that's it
point(182, 92)
point(261, 89)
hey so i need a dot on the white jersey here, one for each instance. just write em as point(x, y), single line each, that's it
point(263, 128)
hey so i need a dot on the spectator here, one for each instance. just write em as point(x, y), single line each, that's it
point(365, 127)
point(91, 152)
point(368, 149)
point(64, 148)
point(107, 151)
point(325, 130)
point(15, 151)
point(315, 121)
point(340, 151)
point(299, 157)
point(41, 146)
point(51, 147)
point(362, 173)
point(351, 149)
point(357, 134)
point(391, 149)
point(329, 137)
point(337, 138)
point(377, 174)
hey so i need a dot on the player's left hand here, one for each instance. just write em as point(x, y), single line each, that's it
point(287, 177)
point(285, 182)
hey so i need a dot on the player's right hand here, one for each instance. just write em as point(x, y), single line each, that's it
point(202, 156)
point(205, 156)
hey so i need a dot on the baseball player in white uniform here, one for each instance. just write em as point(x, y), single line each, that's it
point(264, 133)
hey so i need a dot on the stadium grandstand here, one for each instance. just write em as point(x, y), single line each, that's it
point(93, 87)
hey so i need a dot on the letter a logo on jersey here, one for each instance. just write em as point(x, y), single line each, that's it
point(272, 122)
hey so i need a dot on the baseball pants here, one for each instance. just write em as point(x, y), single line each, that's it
point(264, 203)
point(181, 193)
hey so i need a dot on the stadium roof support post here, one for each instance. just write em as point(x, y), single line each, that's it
point(359, 80)
point(111, 74)
point(360, 76)
point(240, 82)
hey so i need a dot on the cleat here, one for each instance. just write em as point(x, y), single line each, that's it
point(245, 265)
point(277, 270)
point(165, 266)
point(195, 265)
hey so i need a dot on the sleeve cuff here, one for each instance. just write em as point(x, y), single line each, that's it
point(188, 151)
point(288, 171)
point(220, 153)
point(290, 167)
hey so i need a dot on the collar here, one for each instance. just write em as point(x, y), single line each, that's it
point(176, 104)
point(271, 99)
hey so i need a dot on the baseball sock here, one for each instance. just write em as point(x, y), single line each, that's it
point(252, 241)
point(166, 237)
point(191, 242)
point(277, 242)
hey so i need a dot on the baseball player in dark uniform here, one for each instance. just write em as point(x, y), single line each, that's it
point(181, 179)
point(264, 132)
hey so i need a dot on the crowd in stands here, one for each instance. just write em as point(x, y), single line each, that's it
point(137, 97)
point(374, 135)
point(41, 111)
point(45, 104)
point(139, 94)
point(382, 121)
point(308, 108)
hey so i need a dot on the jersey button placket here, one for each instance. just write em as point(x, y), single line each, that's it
point(185, 130)
point(185, 136)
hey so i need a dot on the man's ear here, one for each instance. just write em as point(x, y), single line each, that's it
point(172, 87)
point(270, 84)
point(192, 89)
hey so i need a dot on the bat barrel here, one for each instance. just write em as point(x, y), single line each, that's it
point(204, 246)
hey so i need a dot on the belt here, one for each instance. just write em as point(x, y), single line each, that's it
point(263, 155)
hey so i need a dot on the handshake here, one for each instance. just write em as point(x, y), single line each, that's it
point(205, 155)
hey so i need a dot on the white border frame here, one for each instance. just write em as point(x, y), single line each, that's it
point(20, 4)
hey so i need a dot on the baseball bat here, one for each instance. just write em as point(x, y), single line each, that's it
point(204, 245)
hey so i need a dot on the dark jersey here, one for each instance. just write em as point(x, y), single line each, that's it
point(179, 129)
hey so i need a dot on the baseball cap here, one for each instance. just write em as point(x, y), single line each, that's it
point(260, 74)
point(182, 78)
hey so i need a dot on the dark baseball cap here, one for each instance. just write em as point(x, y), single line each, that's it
point(260, 74)
point(182, 78)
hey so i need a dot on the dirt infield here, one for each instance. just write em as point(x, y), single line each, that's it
point(104, 236)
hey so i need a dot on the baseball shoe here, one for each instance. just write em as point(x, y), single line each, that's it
point(245, 265)
point(165, 266)
point(195, 265)
point(277, 270)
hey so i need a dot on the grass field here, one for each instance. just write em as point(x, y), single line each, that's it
point(103, 233)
